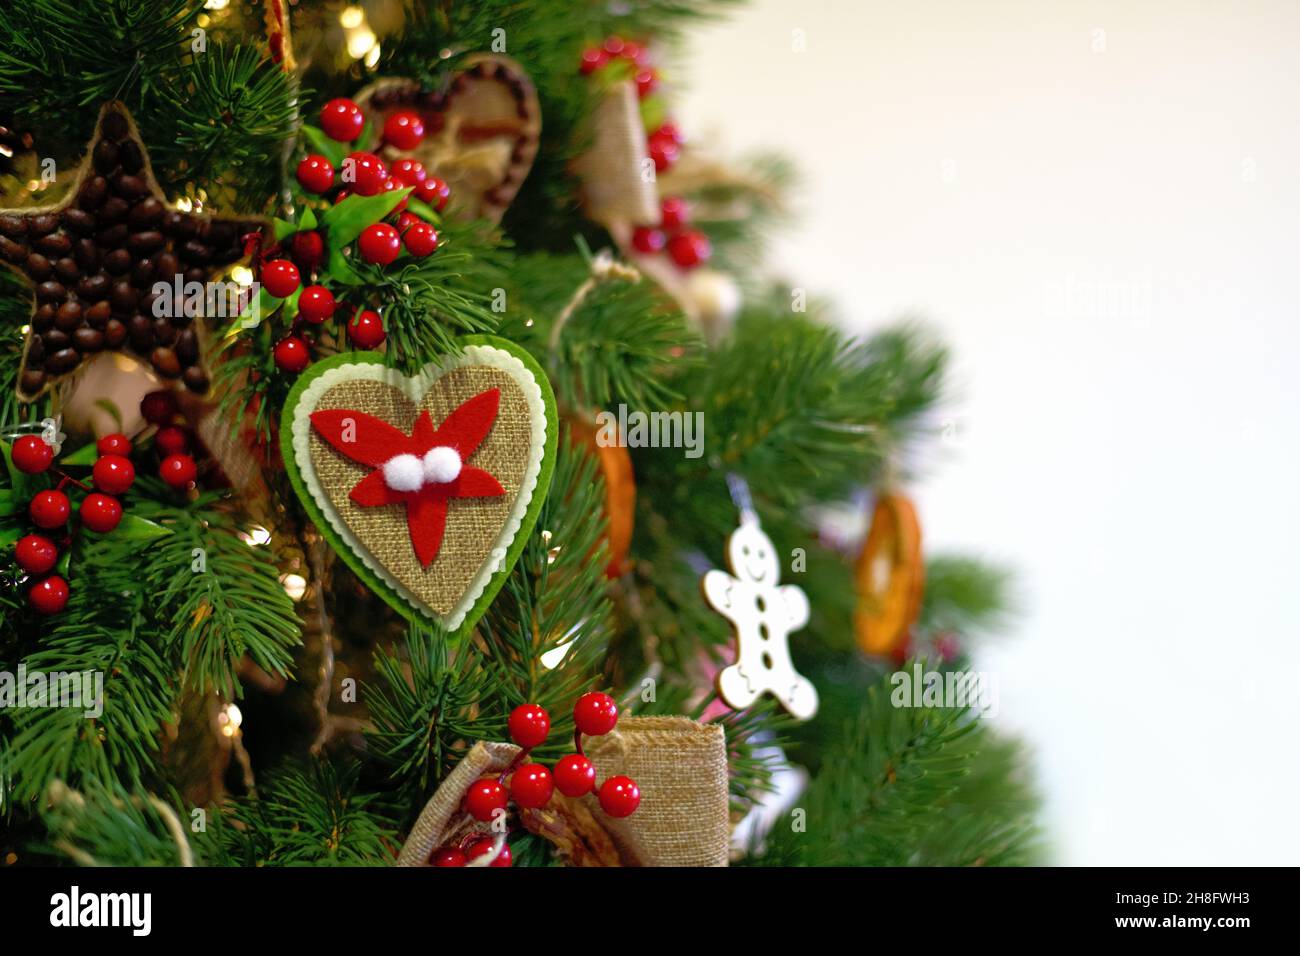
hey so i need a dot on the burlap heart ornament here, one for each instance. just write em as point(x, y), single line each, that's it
point(426, 485)
point(482, 130)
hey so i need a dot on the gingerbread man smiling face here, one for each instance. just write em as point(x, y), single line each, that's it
point(763, 614)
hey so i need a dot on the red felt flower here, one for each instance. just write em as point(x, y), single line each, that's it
point(423, 470)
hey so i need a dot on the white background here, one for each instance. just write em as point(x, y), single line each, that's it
point(1097, 205)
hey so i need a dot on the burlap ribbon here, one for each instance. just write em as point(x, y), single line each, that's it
point(615, 188)
point(679, 764)
point(436, 822)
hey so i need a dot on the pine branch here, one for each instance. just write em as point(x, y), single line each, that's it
point(218, 596)
point(615, 347)
point(911, 786)
point(233, 110)
point(310, 815)
point(103, 630)
point(965, 595)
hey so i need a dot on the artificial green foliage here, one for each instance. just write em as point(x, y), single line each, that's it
point(182, 613)
point(907, 786)
point(221, 594)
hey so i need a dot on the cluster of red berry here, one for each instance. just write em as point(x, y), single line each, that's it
point(172, 442)
point(531, 785)
point(665, 140)
point(50, 509)
point(686, 247)
point(380, 243)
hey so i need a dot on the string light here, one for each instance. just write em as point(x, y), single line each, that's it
point(295, 585)
point(352, 17)
point(360, 42)
point(255, 537)
point(229, 719)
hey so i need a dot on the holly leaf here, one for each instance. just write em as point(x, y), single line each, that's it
point(282, 229)
point(345, 221)
point(83, 457)
point(331, 149)
point(424, 211)
point(341, 270)
point(307, 221)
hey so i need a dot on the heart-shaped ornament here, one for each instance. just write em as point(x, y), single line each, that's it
point(481, 133)
point(426, 485)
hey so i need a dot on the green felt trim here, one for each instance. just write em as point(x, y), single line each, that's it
point(377, 584)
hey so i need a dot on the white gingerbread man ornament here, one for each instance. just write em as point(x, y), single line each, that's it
point(763, 614)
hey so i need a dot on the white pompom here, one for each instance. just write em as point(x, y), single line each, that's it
point(441, 465)
point(404, 473)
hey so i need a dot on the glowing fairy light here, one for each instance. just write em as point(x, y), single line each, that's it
point(229, 719)
point(360, 42)
point(352, 17)
point(255, 536)
point(295, 585)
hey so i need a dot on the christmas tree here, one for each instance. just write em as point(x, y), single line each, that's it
point(407, 460)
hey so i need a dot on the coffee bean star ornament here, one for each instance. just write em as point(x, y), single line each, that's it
point(94, 258)
point(763, 614)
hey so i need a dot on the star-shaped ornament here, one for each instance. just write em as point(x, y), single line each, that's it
point(96, 258)
point(424, 470)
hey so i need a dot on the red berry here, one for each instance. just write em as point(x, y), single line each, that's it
point(366, 330)
point(648, 240)
point(392, 184)
point(404, 129)
point(171, 440)
point(593, 58)
point(158, 408)
point(575, 775)
point(484, 798)
point(307, 249)
point(100, 512)
point(486, 845)
point(49, 596)
point(291, 354)
point(32, 454)
point(420, 239)
point(620, 796)
point(688, 249)
point(434, 191)
point(595, 714)
point(365, 172)
point(673, 213)
point(379, 244)
point(449, 856)
point(280, 278)
point(529, 724)
point(531, 786)
point(410, 171)
point(49, 509)
point(114, 444)
point(647, 81)
point(614, 45)
point(663, 151)
point(406, 220)
point(36, 553)
point(113, 474)
point(316, 304)
point(316, 174)
point(634, 52)
point(341, 120)
point(670, 132)
point(178, 470)
point(341, 195)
